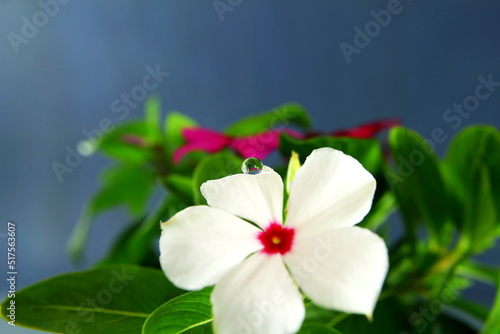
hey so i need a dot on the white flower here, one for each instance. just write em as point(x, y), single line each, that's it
point(258, 268)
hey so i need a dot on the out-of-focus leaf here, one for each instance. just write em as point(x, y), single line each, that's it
point(111, 300)
point(152, 110)
point(418, 183)
point(472, 309)
point(126, 184)
point(127, 143)
point(471, 150)
point(382, 208)
point(492, 325)
point(180, 186)
point(136, 245)
point(472, 172)
point(285, 115)
point(214, 167)
point(188, 313)
point(366, 151)
point(480, 215)
point(175, 122)
point(477, 271)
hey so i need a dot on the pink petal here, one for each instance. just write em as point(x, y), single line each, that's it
point(200, 139)
point(260, 145)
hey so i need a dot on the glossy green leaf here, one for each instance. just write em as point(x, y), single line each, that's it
point(366, 151)
point(492, 325)
point(188, 313)
point(285, 115)
point(214, 167)
point(175, 122)
point(418, 183)
point(127, 143)
point(152, 110)
point(122, 185)
point(112, 300)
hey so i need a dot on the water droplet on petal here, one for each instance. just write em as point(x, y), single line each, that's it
point(252, 166)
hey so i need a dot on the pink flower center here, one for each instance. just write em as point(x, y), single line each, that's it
point(277, 239)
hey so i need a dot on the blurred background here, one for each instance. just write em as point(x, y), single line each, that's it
point(64, 64)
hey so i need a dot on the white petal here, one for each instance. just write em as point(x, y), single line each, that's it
point(200, 244)
point(258, 198)
point(258, 296)
point(331, 189)
point(342, 270)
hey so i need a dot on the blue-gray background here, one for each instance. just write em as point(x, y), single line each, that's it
point(62, 81)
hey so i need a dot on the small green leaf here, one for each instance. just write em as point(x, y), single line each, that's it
point(214, 167)
point(284, 115)
point(125, 184)
point(187, 313)
point(175, 122)
point(293, 167)
point(418, 185)
point(127, 143)
point(112, 300)
point(152, 110)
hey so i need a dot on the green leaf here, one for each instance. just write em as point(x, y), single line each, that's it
point(471, 150)
point(473, 174)
point(127, 143)
point(284, 115)
point(174, 124)
point(366, 151)
point(125, 184)
point(472, 309)
point(293, 167)
point(418, 184)
point(188, 313)
point(480, 215)
point(181, 186)
point(492, 325)
point(478, 271)
point(382, 208)
point(214, 167)
point(152, 110)
point(135, 247)
point(109, 300)
point(317, 329)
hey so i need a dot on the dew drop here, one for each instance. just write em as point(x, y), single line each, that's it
point(252, 166)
